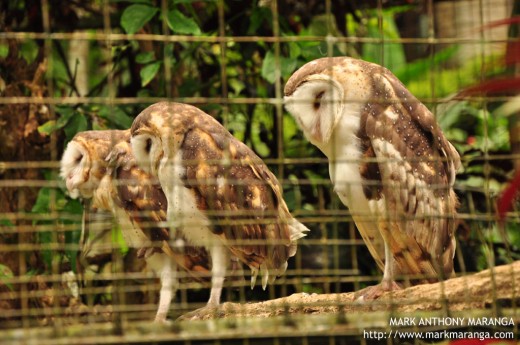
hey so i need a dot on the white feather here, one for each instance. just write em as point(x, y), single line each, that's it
point(317, 107)
point(72, 165)
point(74, 160)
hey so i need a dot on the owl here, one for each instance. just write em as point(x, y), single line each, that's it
point(220, 194)
point(389, 162)
point(99, 165)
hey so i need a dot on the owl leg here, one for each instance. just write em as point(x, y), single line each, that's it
point(219, 260)
point(387, 284)
point(388, 275)
point(169, 286)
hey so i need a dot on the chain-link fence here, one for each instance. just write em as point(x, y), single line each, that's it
point(73, 270)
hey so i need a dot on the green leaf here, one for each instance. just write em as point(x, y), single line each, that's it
point(181, 24)
point(419, 68)
point(52, 125)
point(148, 72)
point(237, 123)
point(294, 50)
point(144, 58)
point(269, 68)
point(44, 237)
point(6, 222)
point(29, 50)
point(188, 1)
point(390, 55)
point(72, 236)
point(116, 116)
point(78, 123)
point(48, 127)
point(4, 50)
point(136, 16)
point(237, 85)
point(42, 201)
point(6, 274)
point(118, 240)
point(66, 206)
point(258, 16)
point(262, 123)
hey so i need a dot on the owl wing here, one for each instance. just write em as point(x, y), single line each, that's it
point(414, 166)
point(240, 197)
point(145, 203)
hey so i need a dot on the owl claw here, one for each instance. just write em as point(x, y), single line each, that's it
point(202, 313)
point(254, 274)
point(374, 292)
point(145, 252)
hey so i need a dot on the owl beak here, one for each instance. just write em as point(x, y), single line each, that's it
point(72, 187)
point(69, 183)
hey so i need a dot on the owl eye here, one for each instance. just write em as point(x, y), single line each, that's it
point(148, 146)
point(79, 158)
point(317, 100)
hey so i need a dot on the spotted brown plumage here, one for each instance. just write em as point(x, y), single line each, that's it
point(100, 165)
point(389, 162)
point(235, 208)
point(220, 193)
point(142, 198)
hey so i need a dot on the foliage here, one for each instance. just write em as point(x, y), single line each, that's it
point(5, 275)
point(54, 201)
point(196, 64)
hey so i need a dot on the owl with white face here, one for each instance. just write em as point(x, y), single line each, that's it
point(99, 165)
point(389, 162)
point(220, 193)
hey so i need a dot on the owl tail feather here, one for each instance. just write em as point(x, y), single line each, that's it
point(168, 250)
point(268, 275)
point(268, 270)
point(254, 274)
point(297, 231)
point(264, 271)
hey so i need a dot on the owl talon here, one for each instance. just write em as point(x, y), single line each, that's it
point(201, 313)
point(145, 252)
point(374, 292)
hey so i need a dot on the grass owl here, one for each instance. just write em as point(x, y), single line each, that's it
point(389, 162)
point(100, 165)
point(220, 194)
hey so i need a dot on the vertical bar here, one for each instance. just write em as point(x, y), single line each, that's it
point(223, 60)
point(166, 58)
point(278, 90)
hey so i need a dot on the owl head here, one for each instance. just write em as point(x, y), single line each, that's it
point(158, 132)
point(324, 90)
point(83, 164)
point(147, 138)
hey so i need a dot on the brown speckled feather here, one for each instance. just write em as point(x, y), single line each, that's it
point(142, 198)
point(243, 206)
point(230, 183)
point(406, 165)
point(418, 187)
point(121, 184)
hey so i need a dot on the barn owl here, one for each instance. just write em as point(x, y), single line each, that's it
point(389, 162)
point(99, 165)
point(220, 193)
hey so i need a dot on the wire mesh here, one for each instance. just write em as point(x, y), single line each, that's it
point(65, 263)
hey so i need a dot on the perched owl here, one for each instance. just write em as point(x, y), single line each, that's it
point(220, 193)
point(100, 165)
point(389, 161)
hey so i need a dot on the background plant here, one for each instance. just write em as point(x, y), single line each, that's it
point(195, 66)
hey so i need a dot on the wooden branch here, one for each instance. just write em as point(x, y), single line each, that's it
point(489, 289)
point(478, 296)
